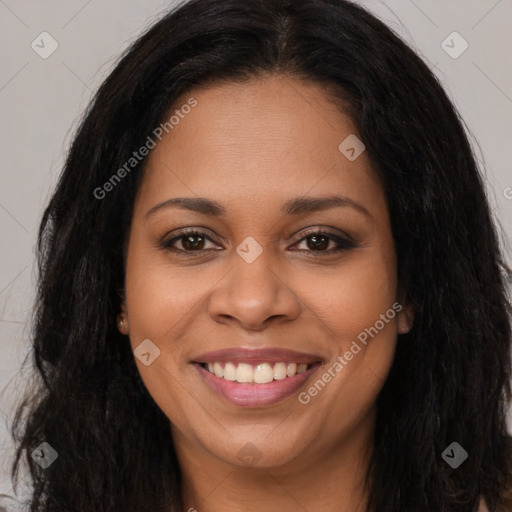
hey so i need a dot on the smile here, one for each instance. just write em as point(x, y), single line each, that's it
point(255, 377)
point(258, 374)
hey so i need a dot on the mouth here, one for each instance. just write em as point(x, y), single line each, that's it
point(256, 378)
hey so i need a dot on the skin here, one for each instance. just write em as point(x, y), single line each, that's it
point(251, 147)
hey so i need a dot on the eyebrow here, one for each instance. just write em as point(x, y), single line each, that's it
point(295, 206)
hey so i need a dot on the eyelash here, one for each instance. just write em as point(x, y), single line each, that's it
point(343, 243)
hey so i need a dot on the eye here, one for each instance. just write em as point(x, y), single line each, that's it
point(191, 241)
point(319, 241)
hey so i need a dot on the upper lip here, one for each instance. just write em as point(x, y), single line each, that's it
point(256, 356)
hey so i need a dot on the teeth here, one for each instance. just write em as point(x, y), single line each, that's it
point(280, 371)
point(218, 370)
point(229, 371)
point(263, 374)
point(291, 369)
point(260, 374)
point(244, 373)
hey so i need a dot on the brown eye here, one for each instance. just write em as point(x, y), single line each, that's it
point(319, 241)
point(190, 242)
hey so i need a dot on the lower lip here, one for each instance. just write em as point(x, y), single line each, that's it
point(255, 395)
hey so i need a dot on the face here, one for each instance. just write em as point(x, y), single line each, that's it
point(277, 266)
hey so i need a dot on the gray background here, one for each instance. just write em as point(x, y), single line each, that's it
point(41, 101)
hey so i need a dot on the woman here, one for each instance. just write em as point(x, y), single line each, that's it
point(269, 279)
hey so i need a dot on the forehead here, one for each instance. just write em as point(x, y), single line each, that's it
point(261, 140)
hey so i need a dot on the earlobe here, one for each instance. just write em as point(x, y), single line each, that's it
point(405, 319)
point(122, 321)
point(122, 324)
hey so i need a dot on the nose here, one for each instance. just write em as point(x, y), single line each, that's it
point(253, 295)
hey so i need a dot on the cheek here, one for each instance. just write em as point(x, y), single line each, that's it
point(160, 303)
point(356, 308)
point(161, 298)
point(353, 297)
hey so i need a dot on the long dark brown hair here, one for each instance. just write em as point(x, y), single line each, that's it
point(450, 377)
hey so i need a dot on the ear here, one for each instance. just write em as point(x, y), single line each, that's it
point(122, 320)
point(405, 318)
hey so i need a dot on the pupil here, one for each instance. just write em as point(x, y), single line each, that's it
point(318, 244)
point(189, 244)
